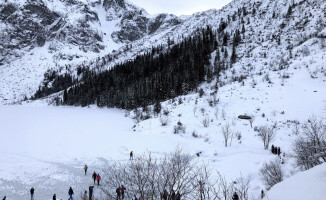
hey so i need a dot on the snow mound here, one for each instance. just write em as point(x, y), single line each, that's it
point(307, 185)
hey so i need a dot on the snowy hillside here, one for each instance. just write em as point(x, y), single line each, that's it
point(308, 185)
point(40, 35)
point(97, 136)
point(277, 77)
point(273, 33)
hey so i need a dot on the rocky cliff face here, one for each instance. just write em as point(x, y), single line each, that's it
point(62, 35)
point(31, 23)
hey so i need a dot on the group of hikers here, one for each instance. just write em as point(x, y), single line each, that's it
point(172, 196)
point(70, 193)
point(95, 176)
point(236, 196)
point(121, 189)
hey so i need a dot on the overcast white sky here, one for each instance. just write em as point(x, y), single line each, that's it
point(179, 7)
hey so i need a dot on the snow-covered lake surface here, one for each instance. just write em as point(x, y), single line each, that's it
point(46, 147)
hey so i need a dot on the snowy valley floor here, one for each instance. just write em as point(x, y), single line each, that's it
point(46, 147)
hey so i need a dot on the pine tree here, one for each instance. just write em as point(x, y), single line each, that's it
point(225, 39)
point(243, 29)
point(157, 107)
point(226, 54)
point(65, 95)
point(233, 55)
point(289, 13)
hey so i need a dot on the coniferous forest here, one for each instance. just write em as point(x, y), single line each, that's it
point(149, 78)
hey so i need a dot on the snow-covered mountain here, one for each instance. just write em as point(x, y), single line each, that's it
point(43, 35)
point(278, 78)
point(40, 35)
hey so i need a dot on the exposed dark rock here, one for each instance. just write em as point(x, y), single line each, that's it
point(41, 40)
point(114, 4)
point(244, 117)
point(7, 10)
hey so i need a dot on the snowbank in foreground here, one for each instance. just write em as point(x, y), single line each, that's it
point(307, 185)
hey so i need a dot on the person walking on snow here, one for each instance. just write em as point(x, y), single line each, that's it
point(118, 191)
point(91, 188)
point(94, 176)
point(85, 168)
point(32, 193)
point(54, 197)
point(178, 197)
point(98, 178)
point(85, 195)
point(123, 189)
point(131, 155)
point(71, 192)
point(4, 198)
point(235, 196)
point(165, 195)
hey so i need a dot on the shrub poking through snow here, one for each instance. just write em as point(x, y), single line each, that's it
point(179, 128)
point(266, 134)
point(271, 173)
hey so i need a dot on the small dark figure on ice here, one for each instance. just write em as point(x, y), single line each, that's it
point(165, 195)
point(90, 191)
point(172, 197)
point(235, 196)
point(32, 193)
point(98, 178)
point(123, 189)
point(54, 197)
point(94, 176)
point(71, 192)
point(278, 151)
point(85, 168)
point(118, 191)
point(262, 194)
point(178, 197)
point(131, 155)
point(85, 195)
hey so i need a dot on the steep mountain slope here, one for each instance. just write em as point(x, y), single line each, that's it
point(277, 76)
point(39, 35)
point(272, 34)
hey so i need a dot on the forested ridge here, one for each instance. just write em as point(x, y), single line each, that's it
point(149, 78)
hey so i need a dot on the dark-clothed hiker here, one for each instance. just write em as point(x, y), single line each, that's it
point(85, 168)
point(85, 195)
point(54, 197)
point(118, 191)
point(165, 195)
point(172, 197)
point(91, 188)
point(235, 196)
point(32, 193)
point(4, 198)
point(94, 176)
point(262, 194)
point(131, 155)
point(98, 178)
point(178, 197)
point(71, 192)
point(123, 189)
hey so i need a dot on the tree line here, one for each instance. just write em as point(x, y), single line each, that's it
point(158, 75)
